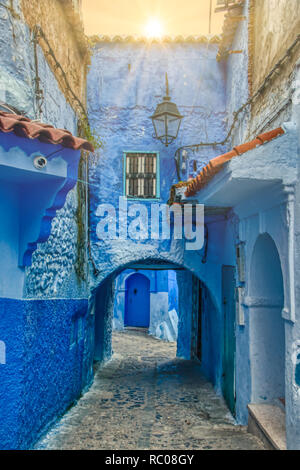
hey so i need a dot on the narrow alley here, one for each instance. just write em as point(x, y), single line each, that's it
point(149, 225)
point(145, 398)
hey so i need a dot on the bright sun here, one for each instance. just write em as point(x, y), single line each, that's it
point(154, 28)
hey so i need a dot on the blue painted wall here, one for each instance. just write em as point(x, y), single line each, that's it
point(44, 372)
point(42, 375)
point(185, 309)
point(125, 83)
point(211, 339)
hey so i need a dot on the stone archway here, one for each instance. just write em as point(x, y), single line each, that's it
point(103, 298)
point(267, 330)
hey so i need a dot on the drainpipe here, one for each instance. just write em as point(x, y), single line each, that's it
point(289, 311)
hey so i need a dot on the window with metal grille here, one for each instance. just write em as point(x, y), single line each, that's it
point(141, 175)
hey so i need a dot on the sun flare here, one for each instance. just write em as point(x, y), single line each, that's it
point(154, 28)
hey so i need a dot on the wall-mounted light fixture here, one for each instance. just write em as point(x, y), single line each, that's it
point(166, 119)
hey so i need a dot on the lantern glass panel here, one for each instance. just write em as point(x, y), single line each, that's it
point(173, 126)
point(160, 127)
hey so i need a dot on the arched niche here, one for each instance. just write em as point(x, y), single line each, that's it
point(267, 331)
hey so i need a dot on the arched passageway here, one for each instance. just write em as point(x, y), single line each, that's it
point(267, 332)
point(199, 319)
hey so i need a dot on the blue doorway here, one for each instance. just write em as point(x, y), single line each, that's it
point(137, 301)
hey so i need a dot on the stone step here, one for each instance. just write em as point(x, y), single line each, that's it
point(267, 422)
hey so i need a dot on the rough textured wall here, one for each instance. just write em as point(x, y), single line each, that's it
point(46, 365)
point(270, 27)
point(125, 83)
point(52, 273)
point(276, 27)
point(61, 23)
point(17, 61)
point(103, 308)
point(19, 69)
point(237, 90)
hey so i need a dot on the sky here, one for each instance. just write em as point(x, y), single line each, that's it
point(147, 17)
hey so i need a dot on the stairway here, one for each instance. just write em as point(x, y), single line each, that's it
point(267, 422)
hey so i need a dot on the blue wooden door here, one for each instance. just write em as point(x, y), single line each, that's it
point(137, 304)
point(228, 291)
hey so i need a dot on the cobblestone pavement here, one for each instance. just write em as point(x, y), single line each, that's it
point(145, 398)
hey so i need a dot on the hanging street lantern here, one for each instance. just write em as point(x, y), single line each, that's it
point(166, 119)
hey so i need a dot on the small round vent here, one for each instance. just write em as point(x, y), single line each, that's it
point(40, 162)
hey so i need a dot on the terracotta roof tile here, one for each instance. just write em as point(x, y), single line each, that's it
point(24, 127)
point(216, 164)
point(165, 39)
point(240, 149)
point(270, 135)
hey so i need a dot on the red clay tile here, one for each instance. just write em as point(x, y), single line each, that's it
point(240, 149)
point(267, 136)
point(216, 164)
point(24, 127)
point(221, 159)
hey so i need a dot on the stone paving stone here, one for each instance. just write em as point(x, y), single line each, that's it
point(146, 398)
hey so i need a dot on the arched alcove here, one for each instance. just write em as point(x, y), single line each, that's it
point(267, 333)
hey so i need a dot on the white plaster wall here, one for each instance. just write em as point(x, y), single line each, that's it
point(163, 324)
point(272, 216)
point(274, 221)
point(119, 303)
